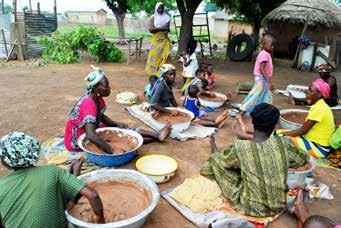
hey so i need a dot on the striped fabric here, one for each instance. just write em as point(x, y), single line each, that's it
point(253, 176)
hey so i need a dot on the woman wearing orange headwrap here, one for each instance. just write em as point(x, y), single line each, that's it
point(319, 126)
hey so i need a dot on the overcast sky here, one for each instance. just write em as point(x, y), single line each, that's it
point(67, 5)
point(63, 5)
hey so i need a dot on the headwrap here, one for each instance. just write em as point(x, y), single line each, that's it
point(160, 20)
point(324, 68)
point(264, 116)
point(322, 87)
point(93, 78)
point(19, 150)
point(163, 70)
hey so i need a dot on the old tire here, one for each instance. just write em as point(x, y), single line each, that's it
point(237, 41)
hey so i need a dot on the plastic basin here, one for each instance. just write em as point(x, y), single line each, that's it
point(110, 160)
point(213, 104)
point(177, 127)
point(120, 174)
point(288, 125)
point(296, 178)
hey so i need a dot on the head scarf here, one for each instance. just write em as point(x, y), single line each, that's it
point(19, 150)
point(93, 78)
point(160, 20)
point(324, 68)
point(264, 116)
point(165, 68)
point(322, 87)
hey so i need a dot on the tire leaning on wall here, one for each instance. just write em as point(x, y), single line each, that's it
point(235, 42)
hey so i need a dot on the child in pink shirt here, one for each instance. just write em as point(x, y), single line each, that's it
point(263, 71)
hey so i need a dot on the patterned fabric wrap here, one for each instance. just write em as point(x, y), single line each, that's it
point(253, 176)
point(19, 150)
point(260, 93)
point(93, 78)
point(159, 52)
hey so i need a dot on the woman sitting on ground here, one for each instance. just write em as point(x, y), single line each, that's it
point(319, 126)
point(37, 196)
point(252, 174)
point(88, 114)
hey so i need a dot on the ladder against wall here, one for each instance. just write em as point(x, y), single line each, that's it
point(202, 36)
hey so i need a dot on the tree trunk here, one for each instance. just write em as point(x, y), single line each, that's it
point(186, 30)
point(255, 31)
point(120, 24)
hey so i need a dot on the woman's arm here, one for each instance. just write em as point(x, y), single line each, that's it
point(110, 123)
point(187, 63)
point(95, 202)
point(90, 130)
point(159, 108)
point(301, 131)
point(152, 28)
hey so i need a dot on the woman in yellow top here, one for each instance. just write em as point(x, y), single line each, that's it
point(160, 44)
point(315, 133)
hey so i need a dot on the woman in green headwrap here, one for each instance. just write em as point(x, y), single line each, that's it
point(37, 196)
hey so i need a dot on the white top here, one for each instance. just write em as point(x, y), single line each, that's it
point(191, 69)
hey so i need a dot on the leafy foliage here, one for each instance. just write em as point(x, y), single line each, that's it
point(253, 11)
point(7, 9)
point(65, 47)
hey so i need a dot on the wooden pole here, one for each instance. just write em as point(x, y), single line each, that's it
point(55, 8)
point(2, 7)
point(4, 39)
point(294, 65)
point(15, 10)
point(30, 3)
point(38, 7)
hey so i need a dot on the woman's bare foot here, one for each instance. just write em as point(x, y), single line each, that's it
point(242, 125)
point(222, 122)
point(299, 209)
point(165, 132)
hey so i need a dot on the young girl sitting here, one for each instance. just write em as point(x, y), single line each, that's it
point(211, 78)
point(192, 104)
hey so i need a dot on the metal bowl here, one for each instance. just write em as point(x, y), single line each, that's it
point(213, 104)
point(297, 178)
point(288, 125)
point(110, 160)
point(120, 174)
point(159, 168)
point(178, 127)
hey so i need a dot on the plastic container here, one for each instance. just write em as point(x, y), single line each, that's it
point(178, 127)
point(159, 168)
point(110, 160)
point(120, 174)
point(213, 104)
point(296, 178)
point(288, 125)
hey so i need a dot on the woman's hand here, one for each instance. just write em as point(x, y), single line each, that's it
point(174, 112)
point(97, 219)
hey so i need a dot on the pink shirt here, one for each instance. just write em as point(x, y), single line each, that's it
point(263, 56)
point(85, 111)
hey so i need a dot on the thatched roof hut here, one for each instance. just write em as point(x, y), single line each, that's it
point(287, 21)
point(320, 13)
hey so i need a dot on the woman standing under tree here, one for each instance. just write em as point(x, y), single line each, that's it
point(160, 44)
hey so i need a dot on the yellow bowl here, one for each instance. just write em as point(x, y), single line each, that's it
point(160, 168)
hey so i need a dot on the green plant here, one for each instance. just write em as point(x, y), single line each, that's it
point(64, 47)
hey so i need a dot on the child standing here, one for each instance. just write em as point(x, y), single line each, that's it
point(190, 63)
point(192, 104)
point(261, 90)
point(211, 78)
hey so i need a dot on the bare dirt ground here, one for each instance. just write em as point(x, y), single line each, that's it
point(37, 100)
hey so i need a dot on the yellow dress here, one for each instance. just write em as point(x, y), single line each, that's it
point(158, 54)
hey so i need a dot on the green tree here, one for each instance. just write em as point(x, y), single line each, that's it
point(25, 9)
point(253, 11)
point(7, 9)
